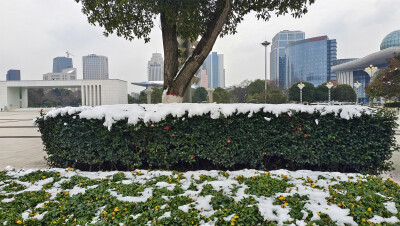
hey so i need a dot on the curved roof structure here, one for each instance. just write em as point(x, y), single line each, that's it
point(376, 58)
point(391, 40)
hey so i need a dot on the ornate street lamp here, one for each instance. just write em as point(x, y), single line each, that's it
point(357, 84)
point(371, 70)
point(329, 85)
point(301, 86)
point(265, 44)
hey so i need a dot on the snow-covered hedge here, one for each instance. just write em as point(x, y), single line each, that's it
point(208, 136)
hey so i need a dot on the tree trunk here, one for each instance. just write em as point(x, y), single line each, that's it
point(176, 83)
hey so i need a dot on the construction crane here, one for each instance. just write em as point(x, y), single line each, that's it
point(68, 53)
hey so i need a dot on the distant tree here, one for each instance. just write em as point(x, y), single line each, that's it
point(156, 95)
point(223, 95)
point(321, 93)
point(216, 98)
point(308, 92)
point(387, 82)
point(258, 86)
point(343, 93)
point(238, 94)
point(200, 95)
point(276, 98)
point(189, 19)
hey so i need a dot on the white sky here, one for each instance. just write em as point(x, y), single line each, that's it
point(33, 32)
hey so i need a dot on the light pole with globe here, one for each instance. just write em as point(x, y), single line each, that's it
point(301, 86)
point(329, 85)
point(357, 85)
point(265, 44)
point(371, 70)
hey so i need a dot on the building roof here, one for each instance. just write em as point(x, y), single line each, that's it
point(376, 58)
point(391, 40)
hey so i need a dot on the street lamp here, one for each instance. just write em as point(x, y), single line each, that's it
point(357, 84)
point(301, 86)
point(371, 70)
point(265, 44)
point(329, 85)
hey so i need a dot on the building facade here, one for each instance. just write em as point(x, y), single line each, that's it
point(310, 60)
point(61, 63)
point(155, 68)
point(14, 94)
point(13, 75)
point(214, 66)
point(278, 55)
point(66, 74)
point(95, 67)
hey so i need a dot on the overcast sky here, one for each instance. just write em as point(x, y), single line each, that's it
point(33, 32)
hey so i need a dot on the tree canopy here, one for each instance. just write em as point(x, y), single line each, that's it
point(343, 92)
point(200, 94)
point(387, 82)
point(307, 93)
point(187, 19)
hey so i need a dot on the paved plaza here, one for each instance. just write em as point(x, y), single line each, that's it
point(21, 145)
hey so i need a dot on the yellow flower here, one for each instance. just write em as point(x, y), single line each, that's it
point(113, 218)
point(286, 203)
point(43, 177)
point(319, 214)
point(19, 222)
point(69, 168)
point(105, 213)
point(156, 208)
point(369, 209)
point(363, 220)
point(116, 209)
point(281, 198)
point(313, 185)
point(66, 193)
point(58, 174)
point(267, 174)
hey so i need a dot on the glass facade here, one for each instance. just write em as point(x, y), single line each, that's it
point(13, 75)
point(362, 77)
point(278, 55)
point(391, 40)
point(214, 66)
point(61, 63)
point(311, 60)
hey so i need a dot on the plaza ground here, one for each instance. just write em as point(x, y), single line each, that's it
point(22, 148)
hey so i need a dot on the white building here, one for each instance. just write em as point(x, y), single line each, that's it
point(155, 68)
point(95, 67)
point(66, 74)
point(14, 94)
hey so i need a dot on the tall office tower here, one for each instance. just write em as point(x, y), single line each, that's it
point(203, 78)
point(61, 63)
point(13, 75)
point(214, 65)
point(278, 55)
point(95, 67)
point(155, 68)
point(311, 60)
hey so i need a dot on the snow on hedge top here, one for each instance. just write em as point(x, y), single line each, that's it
point(157, 112)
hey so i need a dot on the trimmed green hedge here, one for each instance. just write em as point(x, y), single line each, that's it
point(363, 144)
point(392, 105)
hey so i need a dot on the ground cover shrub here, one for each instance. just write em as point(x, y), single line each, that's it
point(345, 138)
point(150, 198)
point(392, 105)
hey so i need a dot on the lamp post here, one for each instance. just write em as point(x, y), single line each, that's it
point(371, 70)
point(301, 86)
point(329, 85)
point(265, 44)
point(357, 84)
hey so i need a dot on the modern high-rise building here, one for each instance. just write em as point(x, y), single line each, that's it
point(310, 60)
point(278, 55)
point(155, 68)
point(95, 67)
point(61, 63)
point(214, 66)
point(13, 74)
point(66, 74)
